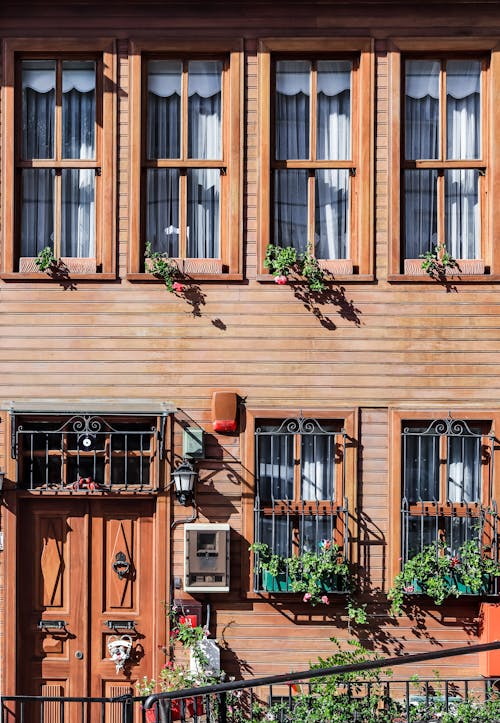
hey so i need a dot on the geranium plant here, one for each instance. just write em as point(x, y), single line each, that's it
point(165, 268)
point(46, 261)
point(285, 261)
point(436, 261)
point(435, 572)
point(313, 574)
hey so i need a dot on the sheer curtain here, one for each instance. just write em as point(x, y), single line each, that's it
point(318, 461)
point(78, 142)
point(204, 141)
point(422, 133)
point(292, 142)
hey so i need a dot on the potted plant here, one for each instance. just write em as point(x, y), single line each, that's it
point(314, 574)
point(164, 267)
point(176, 676)
point(435, 572)
point(285, 261)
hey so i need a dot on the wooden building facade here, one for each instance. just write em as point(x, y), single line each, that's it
point(370, 130)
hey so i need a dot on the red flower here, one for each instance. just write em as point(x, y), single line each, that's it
point(177, 286)
point(281, 279)
point(454, 562)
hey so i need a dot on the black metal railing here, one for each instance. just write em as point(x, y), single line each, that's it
point(253, 700)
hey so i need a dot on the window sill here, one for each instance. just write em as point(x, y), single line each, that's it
point(44, 277)
point(269, 279)
point(222, 276)
point(456, 278)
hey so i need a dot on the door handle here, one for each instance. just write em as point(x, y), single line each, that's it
point(51, 624)
point(121, 565)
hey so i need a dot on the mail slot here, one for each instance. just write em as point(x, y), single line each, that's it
point(207, 558)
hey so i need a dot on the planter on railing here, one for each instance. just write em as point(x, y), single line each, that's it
point(282, 583)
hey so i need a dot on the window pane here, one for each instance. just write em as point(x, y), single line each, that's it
point(422, 109)
point(318, 463)
point(78, 109)
point(334, 110)
point(420, 212)
point(332, 214)
point(78, 213)
point(290, 208)
point(37, 210)
point(422, 531)
point(203, 213)
point(459, 530)
point(204, 109)
point(162, 210)
point(313, 530)
point(463, 109)
point(275, 467)
point(293, 90)
point(461, 191)
point(38, 108)
point(464, 458)
point(277, 533)
point(421, 467)
point(164, 109)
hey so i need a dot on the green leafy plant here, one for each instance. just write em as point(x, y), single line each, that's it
point(285, 261)
point(313, 573)
point(437, 261)
point(46, 261)
point(437, 573)
point(165, 268)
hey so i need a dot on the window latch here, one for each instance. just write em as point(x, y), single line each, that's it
point(223, 171)
point(352, 172)
point(98, 171)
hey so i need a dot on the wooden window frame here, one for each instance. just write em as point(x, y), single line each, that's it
point(232, 138)
point(103, 51)
point(398, 419)
point(487, 50)
point(362, 139)
point(348, 420)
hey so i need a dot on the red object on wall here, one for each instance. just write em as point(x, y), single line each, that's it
point(489, 631)
point(225, 411)
point(191, 620)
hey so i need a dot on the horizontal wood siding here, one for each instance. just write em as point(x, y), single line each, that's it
point(372, 346)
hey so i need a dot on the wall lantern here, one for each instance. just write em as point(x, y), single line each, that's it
point(184, 478)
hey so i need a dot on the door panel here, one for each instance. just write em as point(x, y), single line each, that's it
point(86, 575)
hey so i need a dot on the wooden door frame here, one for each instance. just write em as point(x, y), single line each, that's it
point(12, 511)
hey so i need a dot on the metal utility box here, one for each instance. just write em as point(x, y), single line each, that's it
point(206, 558)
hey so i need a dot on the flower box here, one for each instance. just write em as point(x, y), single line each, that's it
point(282, 583)
point(465, 267)
point(452, 581)
point(187, 267)
point(27, 265)
point(159, 712)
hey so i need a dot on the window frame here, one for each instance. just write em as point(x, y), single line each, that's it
point(347, 421)
point(231, 222)
point(442, 508)
point(486, 50)
point(361, 51)
point(101, 50)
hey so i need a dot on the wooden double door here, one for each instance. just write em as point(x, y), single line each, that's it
point(85, 576)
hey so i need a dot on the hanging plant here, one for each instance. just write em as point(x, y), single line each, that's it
point(285, 261)
point(437, 261)
point(165, 268)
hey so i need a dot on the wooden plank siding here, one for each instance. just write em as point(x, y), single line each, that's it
point(380, 345)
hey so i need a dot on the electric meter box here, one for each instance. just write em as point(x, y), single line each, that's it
point(206, 552)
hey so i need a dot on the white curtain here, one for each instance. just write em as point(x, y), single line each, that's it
point(275, 467)
point(422, 141)
point(292, 139)
point(318, 463)
point(204, 143)
point(78, 142)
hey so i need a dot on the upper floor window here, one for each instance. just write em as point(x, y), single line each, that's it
point(318, 153)
point(444, 156)
point(189, 162)
point(59, 110)
point(444, 164)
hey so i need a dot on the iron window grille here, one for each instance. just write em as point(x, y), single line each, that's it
point(300, 486)
point(448, 472)
point(87, 452)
